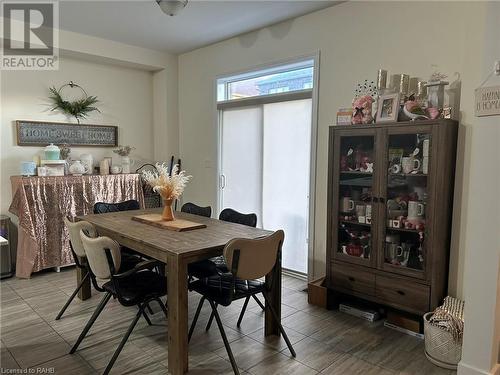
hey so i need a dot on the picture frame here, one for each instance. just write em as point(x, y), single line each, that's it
point(388, 108)
point(40, 133)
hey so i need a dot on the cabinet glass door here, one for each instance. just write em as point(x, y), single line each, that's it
point(355, 182)
point(406, 205)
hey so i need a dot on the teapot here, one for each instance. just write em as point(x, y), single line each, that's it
point(77, 168)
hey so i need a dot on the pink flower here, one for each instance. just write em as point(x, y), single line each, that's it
point(410, 105)
point(433, 113)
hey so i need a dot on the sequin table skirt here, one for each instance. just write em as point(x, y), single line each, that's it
point(41, 203)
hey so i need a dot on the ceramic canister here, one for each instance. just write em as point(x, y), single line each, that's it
point(28, 168)
point(52, 152)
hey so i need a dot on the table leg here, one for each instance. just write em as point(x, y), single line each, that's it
point(177, 316)
point(84, 292)
point(273, 283)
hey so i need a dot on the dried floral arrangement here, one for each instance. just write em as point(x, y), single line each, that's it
point(169, 185)
point(64, 151)
point(80, 108)
point(123, 150)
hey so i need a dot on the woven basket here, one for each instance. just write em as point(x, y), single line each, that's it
point(440, 348)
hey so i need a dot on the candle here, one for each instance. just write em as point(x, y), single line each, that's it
point(421, 89)
point(404, 82)
point(381, 79)
point(412, 90)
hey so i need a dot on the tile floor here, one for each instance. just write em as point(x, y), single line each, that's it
point(326, 342)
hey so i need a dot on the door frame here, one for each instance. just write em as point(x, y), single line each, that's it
point(315, 57)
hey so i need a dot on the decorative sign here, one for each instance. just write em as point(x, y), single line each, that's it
point(36, 133)
point(488, 101)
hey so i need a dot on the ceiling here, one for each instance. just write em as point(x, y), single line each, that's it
point(202, 22)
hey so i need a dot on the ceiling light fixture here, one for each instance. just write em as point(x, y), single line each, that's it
point(172, 7)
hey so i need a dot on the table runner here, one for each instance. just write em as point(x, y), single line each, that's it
point(41, 203)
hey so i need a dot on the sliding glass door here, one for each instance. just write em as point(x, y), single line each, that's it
point(265, 161)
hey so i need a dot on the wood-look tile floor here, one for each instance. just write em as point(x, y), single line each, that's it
point(326, 342)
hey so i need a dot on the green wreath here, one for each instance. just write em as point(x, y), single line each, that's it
point(80, 109)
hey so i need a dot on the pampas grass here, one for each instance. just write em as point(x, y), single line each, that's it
point(168, 185)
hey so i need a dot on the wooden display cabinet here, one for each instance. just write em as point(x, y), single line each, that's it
point(390, 193)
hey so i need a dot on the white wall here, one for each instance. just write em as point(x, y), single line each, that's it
point(482, 256)
point(126, 100)
point(137, 88)
point(354, 39)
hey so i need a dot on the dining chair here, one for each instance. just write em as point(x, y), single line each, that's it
point(80, 259)
point(78, 253)
point(136, 287)
point(191, 208)
point(212, 266)
point(250, 260)
point(102, 207)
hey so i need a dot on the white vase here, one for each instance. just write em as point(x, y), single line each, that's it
point(126, 164)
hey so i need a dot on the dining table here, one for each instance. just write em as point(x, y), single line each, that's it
point(176, 250)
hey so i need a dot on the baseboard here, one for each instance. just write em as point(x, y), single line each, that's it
point(465, 369)
point(297, 275)
point(496, 370)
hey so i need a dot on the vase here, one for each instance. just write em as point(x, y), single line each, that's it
point(168, 212)
point(126, 164)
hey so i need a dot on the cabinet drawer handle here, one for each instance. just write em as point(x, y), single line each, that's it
point(401, 292)
point(351, 278)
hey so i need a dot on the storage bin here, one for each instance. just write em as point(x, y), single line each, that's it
point(440, 347)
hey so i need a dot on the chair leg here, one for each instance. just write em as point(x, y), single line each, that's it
point(210, 320)
point(243, 311)
point(258, 302)
point(124, 340)
point(195, 319)
point(150, 310)
point(282, 330)
point(163, 307)
point(224, 337)
point(91, 321)
point(72, 297)
point(146, 317)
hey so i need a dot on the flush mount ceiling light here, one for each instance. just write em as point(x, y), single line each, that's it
point(172, 7)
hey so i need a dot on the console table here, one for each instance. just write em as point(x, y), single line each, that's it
point(41, 203)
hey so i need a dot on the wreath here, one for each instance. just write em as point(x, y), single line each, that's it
point(80, 108)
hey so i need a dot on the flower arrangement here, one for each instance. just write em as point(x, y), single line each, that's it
point(123, 150)
point(362, 102)
point(64, 151)
point(170, 185)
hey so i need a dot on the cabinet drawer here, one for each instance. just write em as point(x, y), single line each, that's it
point(402, 294)
point(354, 279)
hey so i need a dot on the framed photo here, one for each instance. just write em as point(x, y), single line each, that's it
point(37, 133)
point(388, 108)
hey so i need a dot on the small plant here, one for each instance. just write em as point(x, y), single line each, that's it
point(64, 151)
point(80, 108)
point(123, 150)
point(169, 186)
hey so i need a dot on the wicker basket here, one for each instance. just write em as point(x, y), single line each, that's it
point(440, 348)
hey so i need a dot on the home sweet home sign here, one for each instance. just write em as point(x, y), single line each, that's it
point(488, 101)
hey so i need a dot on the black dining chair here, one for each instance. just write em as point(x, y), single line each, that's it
point(206, 268)
point(250, 261)
point(102, 207)
point(136, 287)
point(79, 257)
point(191, 208)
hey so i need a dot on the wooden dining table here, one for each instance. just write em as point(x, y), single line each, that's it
point(177, 250)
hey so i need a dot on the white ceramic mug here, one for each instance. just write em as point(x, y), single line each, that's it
point(415, 209)
point(410, 164)
point(346, 204)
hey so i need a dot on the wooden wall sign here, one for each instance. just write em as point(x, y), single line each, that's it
point(36, 133)
point(488, 101)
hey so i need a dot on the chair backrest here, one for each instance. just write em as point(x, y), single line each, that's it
point(233, 216)
point(191, 208)
point(102, 208)
point(74, 229)
point(256, 257)
point(95, 250)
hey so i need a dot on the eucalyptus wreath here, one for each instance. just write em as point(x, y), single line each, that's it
point(80, 108)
